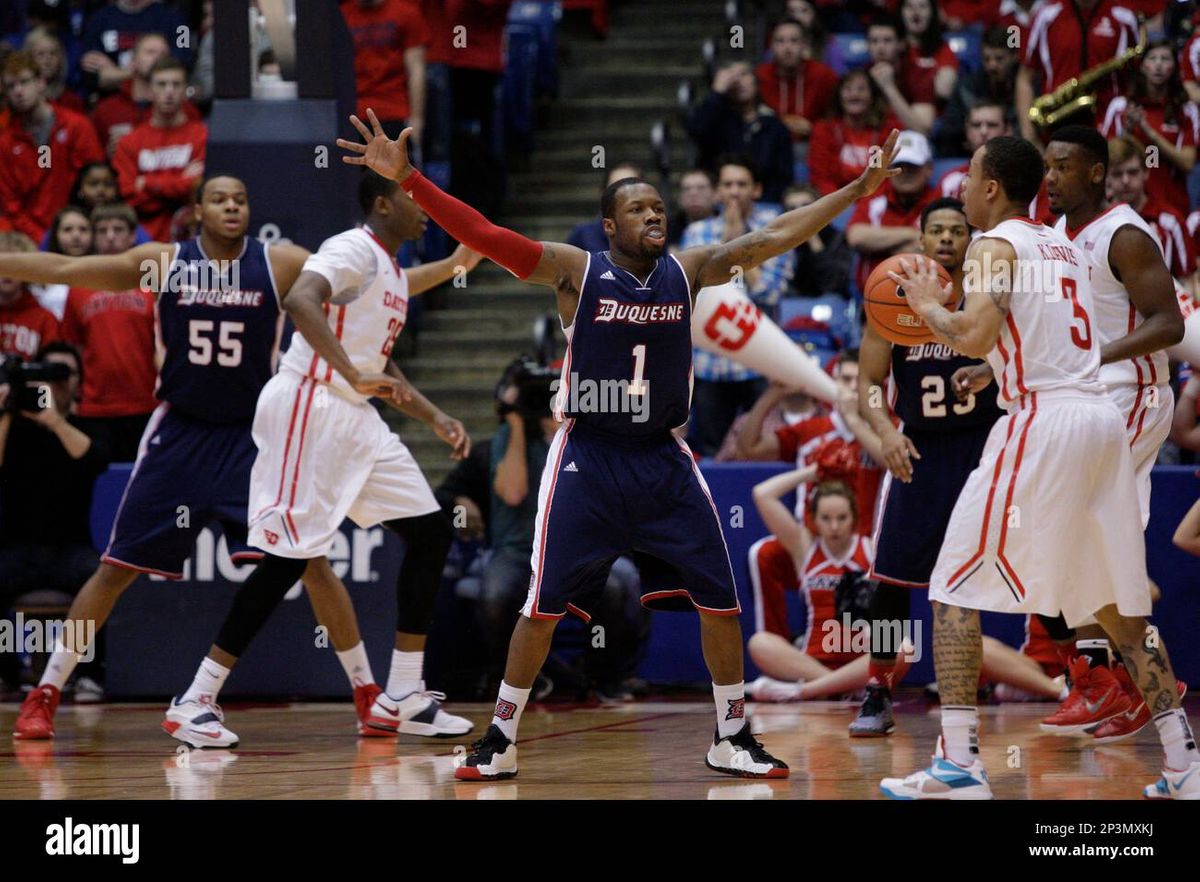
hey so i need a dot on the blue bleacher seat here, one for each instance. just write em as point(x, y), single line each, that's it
point(945, 164)
point(532, 64)
point(967, 45)
point(852, 52)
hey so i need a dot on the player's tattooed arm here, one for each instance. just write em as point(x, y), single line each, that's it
point(719, 264)
point(561, 267)
point(974, 329)
point(144, 267)
point(1137, 262)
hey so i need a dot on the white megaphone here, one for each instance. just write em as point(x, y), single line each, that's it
point(725, 322)
point(1187, 349)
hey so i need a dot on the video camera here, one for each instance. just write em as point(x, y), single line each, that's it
point(533, 381)
point(26, 381)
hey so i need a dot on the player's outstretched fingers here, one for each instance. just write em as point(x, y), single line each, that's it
point(376, 125)
point(362, 129)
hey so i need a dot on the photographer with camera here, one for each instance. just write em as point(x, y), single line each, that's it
point(519, 450)
point(48, 466)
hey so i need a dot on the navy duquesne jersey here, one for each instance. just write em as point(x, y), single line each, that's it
point(628, 369)
point(923, 396)
point(219, 323)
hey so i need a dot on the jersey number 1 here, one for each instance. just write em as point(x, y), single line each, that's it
point(638, 385)
point(200, 342)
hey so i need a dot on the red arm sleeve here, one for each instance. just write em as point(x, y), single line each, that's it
point(518, 255)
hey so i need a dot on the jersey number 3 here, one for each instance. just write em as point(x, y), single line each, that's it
point(200, 343)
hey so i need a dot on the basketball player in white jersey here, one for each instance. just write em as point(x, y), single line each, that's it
point(325, 454)
point(1136, 318)
point(1044, 524)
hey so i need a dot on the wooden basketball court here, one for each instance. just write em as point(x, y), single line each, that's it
point(650, 750)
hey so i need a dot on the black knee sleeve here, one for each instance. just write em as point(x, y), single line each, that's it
point(1056, 627)
point(889, 603)
point(426, 542)
point(256, 600)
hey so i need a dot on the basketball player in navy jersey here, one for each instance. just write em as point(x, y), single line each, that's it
point(616, 481)
point(929, 457)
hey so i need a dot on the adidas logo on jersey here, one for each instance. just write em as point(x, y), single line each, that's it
point(607, 274)
point(570, 467)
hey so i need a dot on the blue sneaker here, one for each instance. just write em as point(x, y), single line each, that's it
point(1176, 785)
point(942, 780)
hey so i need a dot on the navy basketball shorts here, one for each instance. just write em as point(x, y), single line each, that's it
point(604, 496)
point(913, 517)
point(189, 473)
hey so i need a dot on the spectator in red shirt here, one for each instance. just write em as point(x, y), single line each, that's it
point(70, 233)
point(841, 144)
point(47, 50)
point(890, 221)
point(930, 70)
point(1189, 63)
point(41, 151)
point(957, 15)
point(389, 62)
point(160, 162)
point(886, 46)
point(799, 89)
point(1066, 38)
point(115, 332)
point(25, 326)
point(1128, 181)
point(1156, 112)
point(116, 115)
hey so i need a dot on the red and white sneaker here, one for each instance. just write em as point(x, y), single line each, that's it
point(418, 713)
point(1135, 719)
point(35, 721)
point(1095, 696)
point(364, 698)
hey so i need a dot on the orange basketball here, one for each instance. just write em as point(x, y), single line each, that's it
point(888, 311)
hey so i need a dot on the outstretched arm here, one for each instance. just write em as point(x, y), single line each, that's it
point(430, 275)
point(715, 264)
point(140, 267)
point(558, 266)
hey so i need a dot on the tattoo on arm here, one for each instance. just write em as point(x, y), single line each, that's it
point(942, 321)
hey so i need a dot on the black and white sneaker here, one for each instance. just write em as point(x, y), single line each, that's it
point(492, 758)
point(742, 755)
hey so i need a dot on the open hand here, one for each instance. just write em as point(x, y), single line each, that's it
point(922, 284)
point(378, 152)
point(879, 166)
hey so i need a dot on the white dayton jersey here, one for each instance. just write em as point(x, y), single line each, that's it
point(366, 313)
point(1140, 387)
point(1044, 524)
point(1047, 340)
point(324, 457)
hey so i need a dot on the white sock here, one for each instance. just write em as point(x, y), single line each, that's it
point(510, 704)
point(1097, 649)
point(960, 734)
point(210, 677)
point(405, 675)
point(357, 665)
point(60, 666)
point(1179, 744)
point(731, 708)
